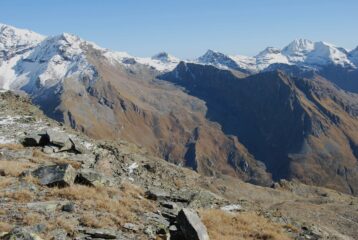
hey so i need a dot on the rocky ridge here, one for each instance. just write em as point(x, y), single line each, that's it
point(115, 190)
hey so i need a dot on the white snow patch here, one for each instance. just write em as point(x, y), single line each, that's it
point(132, 167)
point(232, 208)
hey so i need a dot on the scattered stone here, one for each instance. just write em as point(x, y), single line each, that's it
point(92, 178)
point(157, 220)
point(150, 167)
point(20, 234)
point(150, 232)
point(157, 194)
point(69, 207)
point(45, 207)
point(56, 175)
point(101, 233)
point(131, 226)
point(191, 225)
point(48, 150)
point(39, 228)
point(59, 234)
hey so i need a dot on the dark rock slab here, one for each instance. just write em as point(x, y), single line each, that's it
point(191, 226)
point(56, 175)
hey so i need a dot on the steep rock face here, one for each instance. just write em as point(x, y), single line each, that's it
point(298, 127)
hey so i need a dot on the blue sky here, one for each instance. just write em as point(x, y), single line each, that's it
point(187, 28)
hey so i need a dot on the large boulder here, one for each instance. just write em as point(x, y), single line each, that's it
point(191, 226)
point(61, 140)
point(35, 138)
point(64, 142)
point(92, 178)
point(20, 234)
point(56, 175)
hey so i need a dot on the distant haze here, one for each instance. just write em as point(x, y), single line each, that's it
point(187, 28)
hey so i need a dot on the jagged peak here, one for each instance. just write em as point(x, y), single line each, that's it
point(165, 57)
point(269, 50)
point(12, 36)
point(298, 46)
point(211, 56)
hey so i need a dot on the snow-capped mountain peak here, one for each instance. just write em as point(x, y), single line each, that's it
point(300, 52)
point(218, 59)
point(269, 50)
point(270, 56)
point(16, 41)
point(212, 57)
point(298, 47)
point(325, 53)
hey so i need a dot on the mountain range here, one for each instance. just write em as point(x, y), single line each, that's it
point(285, 113)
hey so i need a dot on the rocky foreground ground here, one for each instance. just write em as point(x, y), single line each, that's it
point(58, 184)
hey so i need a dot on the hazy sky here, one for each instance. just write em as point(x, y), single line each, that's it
point(187, 28)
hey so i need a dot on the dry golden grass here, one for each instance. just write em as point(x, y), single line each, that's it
point(31, 179)
point(12, 146)
point(69, 225)
point(230, 226)
point(14, 168)
point(22, 196)
point(5, 227)
point(100, 221)
point(5, 182)
point(119, 205)
point(32, 218)
point(90, 220)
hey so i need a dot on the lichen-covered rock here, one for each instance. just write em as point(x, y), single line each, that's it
point(56, 175)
